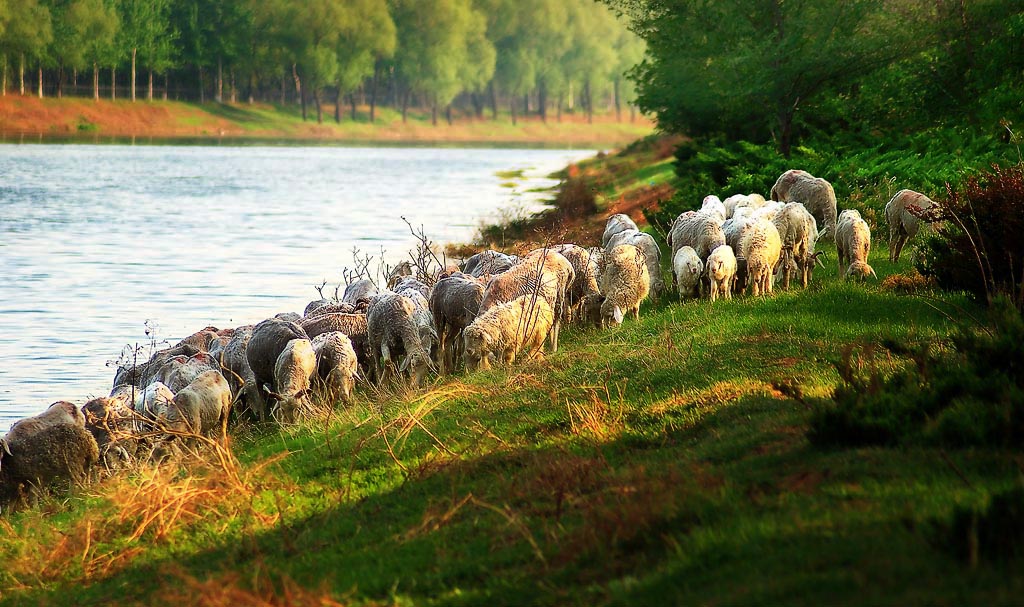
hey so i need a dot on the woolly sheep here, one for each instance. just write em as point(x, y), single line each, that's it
point(853, 244)
point(615, 224)
point(544, 273)
point(393, 332)
point(489, 262)
point(293, 371)
point(586, 266)
point(652, 255)
point(768, 210)
point(721, 271)
point(780, 191)
point(904, 225)
point(179, 371)
point(625, 283)
point(336, 364)
point(39, 450)
point(202, 407)
point(353, 326)
point(799, 233)
point(268, 340)
point(454, 304)
point(761, 247)
point(359, 290)
point(734, 230)
point(814, 193)
point(506, 329)
point(698, 230)
point(110, 420)
point(686, 271)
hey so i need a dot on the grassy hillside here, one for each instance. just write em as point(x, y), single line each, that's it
point(88, 120)
point(664, 462)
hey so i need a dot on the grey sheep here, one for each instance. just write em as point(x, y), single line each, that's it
point(542, 273)
point(853, 245)
point(586, 264)
point(652, 255)
point(701, 231)
point(293, 371)
point(179, 371)
point(489, 262)
point(111, 421)
point(359, 290)
point(143, 374)
point(337, 366)
point(40, 450)
point(352, 325)
point(454, 304)
point(814, 193)
point(904, 225)
point(734, 230)
point(799, 233)
point(269, 339)
point(328, 307)
point(234, 364)
point(202, 407)
point(393, 333)
point(619, 222)
point(625, 283)
point(504, 330)
point(780, 191)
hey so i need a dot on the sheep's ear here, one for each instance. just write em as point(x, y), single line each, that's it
point(617, 314)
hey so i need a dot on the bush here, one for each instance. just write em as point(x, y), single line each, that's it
point(970, 396)
point(978, 246)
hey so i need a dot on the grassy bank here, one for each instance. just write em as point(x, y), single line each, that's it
point(664, 462)
point(88, 120)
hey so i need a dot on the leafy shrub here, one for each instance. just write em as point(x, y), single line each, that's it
point(994, 532)
point(978, 246)
point(970, 396)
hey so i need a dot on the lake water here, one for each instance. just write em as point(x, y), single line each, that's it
point(99, 244)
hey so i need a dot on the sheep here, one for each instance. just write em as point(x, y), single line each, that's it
point(734, 230)
point(721, 271)
point(268, 340)
point(352, 325)
point(904, 225)
point(814, 192)
point(686, 271)
point(336, 364)
point(615, 224)
point(544, 273)
point(393, 332)
point(322, 306)
point(506, 329)
point(736, 202)
point(110, 420)
point(454, 304)
point(153, 401)
point(360, 289)
point(652, 255)
point(625, 282)
point(143, 374)
point(853, 244)
point(799, 233)
point(698, 230)
point(202, 407)
point(768, 210)
point(39, 450)
point(489, 262)
point(179, 371)
point(713, 206)
point(412, 283)
point(293, 372)
point(234, 365)
point(586, 265)
point(200, 340)
point(761, 247)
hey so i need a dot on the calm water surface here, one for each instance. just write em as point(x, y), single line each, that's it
point(99, 244)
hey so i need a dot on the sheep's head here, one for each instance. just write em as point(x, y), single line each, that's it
point(286, 407)
point(611, 314)
point(591, 309)
point(859, 270)
point(480, 348)
point(343, 380)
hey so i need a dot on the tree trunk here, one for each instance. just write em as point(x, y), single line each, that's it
point(319, 109)
point(542, 102)
point(21, 74)
point(60, 80)
point(589, 101)
point(494, 100)
point(448, 114)
point(149, 87)
point(132, 95)
point(284, 90)
point(95, 81)
point(632, 113)
point(352, 101)
point(113, 83)
point(526, 105)
point(433, 113)
point(405, 106)
point(785, 117)
point(558, 110)
point(40, 81)
point(618, 102)
point(478, 104)
point(337, 104)
point(74, 79)
point(234, 91)
point(3, 85)
point(572, 98)
point(512, 108)
point(252, 86)
point(167, 86)
point(202, 87)
point(219, 97)
point(298, 90)
point(373, 92)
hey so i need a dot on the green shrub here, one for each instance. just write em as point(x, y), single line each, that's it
point(994, 532)
point(972, 395)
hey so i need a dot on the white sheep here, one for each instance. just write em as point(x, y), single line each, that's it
point(769, 210)
point(721, 271)
point(734, 230)
point(799, 233)
point(615, 224)
point(625, 283)
point(761, 247)
point(713, 206)
point(701, 231)
point(686, 272)
point(814, 192)
point(853, 245)
point(506, 329)
point(904, 225)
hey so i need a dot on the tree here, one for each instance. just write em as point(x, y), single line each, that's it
point(717, 66)
point(146, 29)
point(27, 33)
point(366, 35)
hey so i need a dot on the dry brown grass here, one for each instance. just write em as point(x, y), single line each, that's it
point(908, 283)
point(713, 396)
point(230, 589)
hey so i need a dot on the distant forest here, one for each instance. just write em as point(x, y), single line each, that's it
point(524, 57)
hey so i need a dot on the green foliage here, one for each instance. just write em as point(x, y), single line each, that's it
point(993, 531)
point(978, 246)
point(972, 395)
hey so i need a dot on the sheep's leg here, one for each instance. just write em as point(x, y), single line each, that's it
point(555, 326)
point(636, 312)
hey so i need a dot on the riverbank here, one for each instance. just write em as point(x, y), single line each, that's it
point(85, 120)
point(664, 462)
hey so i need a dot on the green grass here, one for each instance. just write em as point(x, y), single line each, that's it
point(654, 464)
